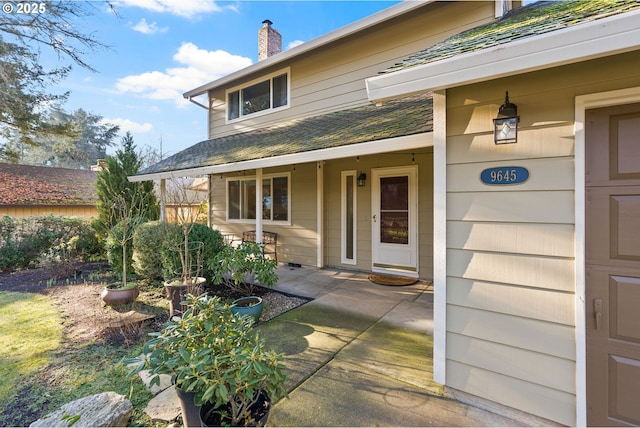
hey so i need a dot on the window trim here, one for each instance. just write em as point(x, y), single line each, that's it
point(239, 89)
point(253, 178)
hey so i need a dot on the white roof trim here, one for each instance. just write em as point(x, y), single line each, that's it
point(347, 30)
point(369, 148)
point(604, 37)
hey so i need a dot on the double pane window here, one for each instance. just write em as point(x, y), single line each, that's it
point(242, 199)
point(259, 97)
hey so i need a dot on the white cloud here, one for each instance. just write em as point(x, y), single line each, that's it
point(200, 66)
point(129, 125)
point(145, 28)
point(294, 44)
point(184, 8)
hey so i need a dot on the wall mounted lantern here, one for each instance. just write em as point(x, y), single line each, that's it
point(505, 126)
point(362, 179)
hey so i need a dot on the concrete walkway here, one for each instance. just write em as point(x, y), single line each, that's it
point(360, 354)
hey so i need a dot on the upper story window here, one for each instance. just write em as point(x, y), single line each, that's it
point(260, 96)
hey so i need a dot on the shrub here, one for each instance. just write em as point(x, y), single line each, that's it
point(149, 241)
point(212, 243)
point(45, 239)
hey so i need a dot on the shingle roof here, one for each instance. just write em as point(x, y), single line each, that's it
point(408, 116)
point(40, 185)
point(527, 21)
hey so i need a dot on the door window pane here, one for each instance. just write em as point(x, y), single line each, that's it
point(349, 219)
point(394, 210)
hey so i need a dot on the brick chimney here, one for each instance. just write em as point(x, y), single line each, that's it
point(269, 41)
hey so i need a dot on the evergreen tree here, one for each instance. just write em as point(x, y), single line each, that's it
point(112, 185)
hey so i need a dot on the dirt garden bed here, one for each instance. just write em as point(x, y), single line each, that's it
point(89, 325)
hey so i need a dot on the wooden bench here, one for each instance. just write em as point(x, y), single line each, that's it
point(269, 242)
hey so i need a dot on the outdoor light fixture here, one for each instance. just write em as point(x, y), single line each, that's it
point(362, 178)
point(505, 126)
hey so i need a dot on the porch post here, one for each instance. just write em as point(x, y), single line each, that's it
point(163, 199)
point(439, 236)
point(259, 205)
point(319, 218)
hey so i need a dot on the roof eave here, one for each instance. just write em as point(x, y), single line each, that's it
point(604, 37)
point(360, 25)
point(407, 142)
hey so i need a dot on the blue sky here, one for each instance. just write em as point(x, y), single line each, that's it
point(162, 48)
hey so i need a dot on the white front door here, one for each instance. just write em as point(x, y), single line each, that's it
point(394, 206)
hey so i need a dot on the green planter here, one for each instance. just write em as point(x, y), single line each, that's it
point(249, 307)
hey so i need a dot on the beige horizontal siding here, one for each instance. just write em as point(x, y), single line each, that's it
point(332, 78)
point(521, 270)
point(20, 211)
point(529, 397)
point(546, 370)
point(519, 238)
point(514, 331)
point(525, 302)
point(522, 207)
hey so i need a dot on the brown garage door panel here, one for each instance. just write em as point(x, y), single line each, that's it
point(616, 226)
point(624, 303)
point(625, 233)
point(624, 379)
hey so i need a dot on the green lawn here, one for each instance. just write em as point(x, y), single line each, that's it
point(30, 329)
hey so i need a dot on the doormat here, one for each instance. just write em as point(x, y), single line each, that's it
point(391, 279)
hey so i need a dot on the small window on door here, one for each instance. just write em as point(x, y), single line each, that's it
point(348, 217)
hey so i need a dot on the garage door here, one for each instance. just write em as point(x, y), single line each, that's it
point(613, 265)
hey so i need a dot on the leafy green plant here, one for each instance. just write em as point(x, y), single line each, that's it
point(216, 355)
point(239, 268)
point(150, 241)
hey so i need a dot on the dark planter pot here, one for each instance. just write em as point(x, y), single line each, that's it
point(210, 417)
point(176, 293)
point(248, 306)
point(190, 412)
point(114, 296)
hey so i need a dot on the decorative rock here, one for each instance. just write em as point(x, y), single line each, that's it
point(165, 382)
point(164, 406)
point(107, 409)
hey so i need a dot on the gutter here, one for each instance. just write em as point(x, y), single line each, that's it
point(407, 142)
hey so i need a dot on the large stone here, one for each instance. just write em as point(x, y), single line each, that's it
point(107, 409)
point(164, 407)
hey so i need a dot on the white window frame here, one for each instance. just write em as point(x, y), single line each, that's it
point(253, 178)
point(239, 88)
point(351, 174)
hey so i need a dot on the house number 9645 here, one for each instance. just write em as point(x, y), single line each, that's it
point(504, 175)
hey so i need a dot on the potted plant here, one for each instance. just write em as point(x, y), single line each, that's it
point(214, 356)
point(187, 210)
point(124, 207)
point(241, 268)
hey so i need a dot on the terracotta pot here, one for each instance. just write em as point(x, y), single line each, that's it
point(114, 296)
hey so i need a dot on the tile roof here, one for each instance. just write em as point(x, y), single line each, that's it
point(527, 21)
point(41, 185)
point(408, 116)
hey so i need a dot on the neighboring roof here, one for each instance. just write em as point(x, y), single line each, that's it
point(536, 36)
point(42, 185)
point(409, 116)
point(348, 30)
